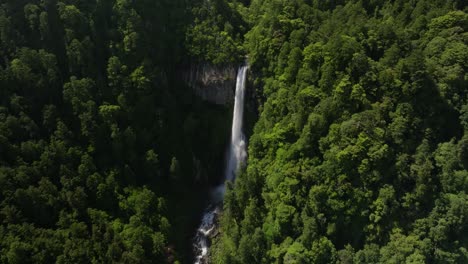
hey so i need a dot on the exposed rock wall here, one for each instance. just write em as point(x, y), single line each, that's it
point(215, 84)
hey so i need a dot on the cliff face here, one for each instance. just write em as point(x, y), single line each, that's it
point(215, 84)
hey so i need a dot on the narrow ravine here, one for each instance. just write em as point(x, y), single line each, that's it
point(236, 158)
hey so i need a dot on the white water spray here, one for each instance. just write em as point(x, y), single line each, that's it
point(236, 158)
point(237, 153)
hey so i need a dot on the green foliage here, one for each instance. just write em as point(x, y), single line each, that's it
point(90, 109)
point(359, 153)
point(216, 32)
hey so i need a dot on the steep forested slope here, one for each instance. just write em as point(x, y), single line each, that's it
point(99, 139)
point(360, 154)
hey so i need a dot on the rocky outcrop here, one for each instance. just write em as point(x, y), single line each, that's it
point(215, 84)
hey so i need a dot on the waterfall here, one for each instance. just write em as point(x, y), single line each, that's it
point(237, 153)
point(236, 158)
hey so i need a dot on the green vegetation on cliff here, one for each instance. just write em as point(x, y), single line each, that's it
point(100, 142)
point(360, 154)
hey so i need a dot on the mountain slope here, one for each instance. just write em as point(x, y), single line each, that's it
point(360, 152)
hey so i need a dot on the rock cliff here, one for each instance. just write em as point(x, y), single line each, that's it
point(215, 84)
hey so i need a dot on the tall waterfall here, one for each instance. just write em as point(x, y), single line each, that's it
point(237, 153)
point(236, 158)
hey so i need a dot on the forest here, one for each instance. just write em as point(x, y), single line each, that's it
point(358, 154)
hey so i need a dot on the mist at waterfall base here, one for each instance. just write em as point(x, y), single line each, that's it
point(236, 157)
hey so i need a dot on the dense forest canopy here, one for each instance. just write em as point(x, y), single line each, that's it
point(99, 139)
point(359, 153)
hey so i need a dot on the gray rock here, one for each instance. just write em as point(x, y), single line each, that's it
point(215, 84)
